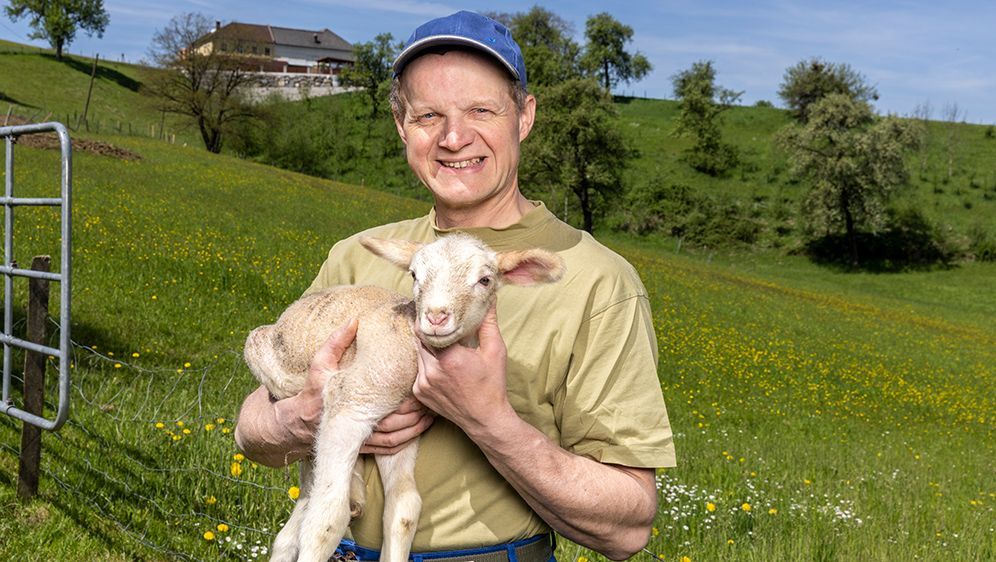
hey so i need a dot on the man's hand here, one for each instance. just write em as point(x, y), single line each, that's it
point(465, 385)
point(395, 431)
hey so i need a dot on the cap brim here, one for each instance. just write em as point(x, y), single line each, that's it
point(413, 50)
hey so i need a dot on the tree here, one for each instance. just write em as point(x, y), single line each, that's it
point(701, 102)
point(811, 80)
point(372, 70)
point(547, 48)
point(605, 54)
point(575, 145)
point(196, 80)
point(853, 162)
point(57, 20)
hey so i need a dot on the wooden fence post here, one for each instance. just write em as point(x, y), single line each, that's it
point(34, 381)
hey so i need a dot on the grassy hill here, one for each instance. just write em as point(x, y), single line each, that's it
point(818, 415)
point(953, 181)
point(38, 86)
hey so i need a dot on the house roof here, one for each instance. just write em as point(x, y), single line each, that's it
point(323, 39)
point(303, 38)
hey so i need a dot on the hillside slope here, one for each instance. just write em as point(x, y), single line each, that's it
point(820, 402)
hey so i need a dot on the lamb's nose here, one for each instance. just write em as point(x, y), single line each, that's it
point(437, 317)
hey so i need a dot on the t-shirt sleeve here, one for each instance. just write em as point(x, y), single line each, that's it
point(612, 406)
point(335, 270)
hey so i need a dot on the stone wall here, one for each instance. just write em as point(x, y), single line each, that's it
point(294, 86)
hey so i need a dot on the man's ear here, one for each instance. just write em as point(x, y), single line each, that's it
point(527, 117)
point(401, 131)
point(398, 252)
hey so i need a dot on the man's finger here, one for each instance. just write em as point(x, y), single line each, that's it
point(331, 351)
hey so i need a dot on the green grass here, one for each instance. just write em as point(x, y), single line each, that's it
point(853, 413)
point(859, 408)
point(52, 90)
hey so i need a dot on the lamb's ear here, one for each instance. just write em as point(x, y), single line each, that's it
point(526, 267)
point(398, 252)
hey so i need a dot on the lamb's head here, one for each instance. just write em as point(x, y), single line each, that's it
point(456, 278)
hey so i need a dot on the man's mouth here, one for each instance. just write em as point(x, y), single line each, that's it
point(462, 163)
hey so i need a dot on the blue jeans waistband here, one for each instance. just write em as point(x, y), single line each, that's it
point(369, 555)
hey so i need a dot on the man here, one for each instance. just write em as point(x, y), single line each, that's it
point(562, 427)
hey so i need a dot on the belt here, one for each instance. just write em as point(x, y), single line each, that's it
point(533, 549)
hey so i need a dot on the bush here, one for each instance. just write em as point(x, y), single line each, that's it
point(673, 209)
point(981, 243)
point(909, 241)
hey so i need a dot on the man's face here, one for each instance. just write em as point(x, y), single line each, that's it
point(461, 128)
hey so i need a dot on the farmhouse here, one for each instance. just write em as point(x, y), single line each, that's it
point(269, 48)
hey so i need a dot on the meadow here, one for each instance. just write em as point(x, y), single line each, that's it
point(819, 415)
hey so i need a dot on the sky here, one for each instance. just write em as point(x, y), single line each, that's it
point(940, 55)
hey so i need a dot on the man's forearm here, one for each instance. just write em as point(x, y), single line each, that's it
point(605, 507)
point(266, 431)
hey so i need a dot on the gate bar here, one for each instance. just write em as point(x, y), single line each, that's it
point(9, 271)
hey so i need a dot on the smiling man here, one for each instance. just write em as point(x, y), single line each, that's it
point(556, 421)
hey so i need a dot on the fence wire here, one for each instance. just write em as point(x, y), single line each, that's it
point(150, 451)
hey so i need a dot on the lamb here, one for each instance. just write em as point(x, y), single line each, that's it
point(455, 281)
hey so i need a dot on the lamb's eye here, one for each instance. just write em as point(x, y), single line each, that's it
point(485, 281)
point(413, 276)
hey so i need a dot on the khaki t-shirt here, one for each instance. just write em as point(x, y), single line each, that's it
point(582, 358)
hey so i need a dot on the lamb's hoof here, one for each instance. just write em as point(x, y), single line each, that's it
point(355, 509)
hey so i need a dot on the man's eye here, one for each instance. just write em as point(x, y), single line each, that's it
point(426, 116)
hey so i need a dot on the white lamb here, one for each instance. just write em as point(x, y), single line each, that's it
point(455, 280)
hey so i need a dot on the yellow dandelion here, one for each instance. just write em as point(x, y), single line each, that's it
point(220, 420)
point(208, 427)
point(208, 536)
point(211, 500)
point(807, 481)
point(135, 355)
point(236, 469)
point(226, 430)
point(186, 431)
point(155, 297)
point(710, 506)
point(294, 492)
point(582, 559)
point(222, 528)
point(655, 531)
point(179, 370)
point(110, 354)
point(160, 425)
point(239, 457)
point(772, 511)
point(117, 365)
point(745, 507)
point(179, 423)
point(729, 541)
point(176, 437)
point(686, 559)
point(186, 365)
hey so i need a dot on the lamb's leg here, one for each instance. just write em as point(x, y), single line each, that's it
point(286, 546)
point(336, 447)
point(402, 503)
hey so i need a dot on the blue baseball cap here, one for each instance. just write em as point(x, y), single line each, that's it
point(468, 29)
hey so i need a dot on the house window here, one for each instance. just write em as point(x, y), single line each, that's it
point(266, 51)
point(254, 49)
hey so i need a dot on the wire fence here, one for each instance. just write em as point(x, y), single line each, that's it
point(150, 451)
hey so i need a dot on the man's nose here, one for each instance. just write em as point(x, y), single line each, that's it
point(456, 134)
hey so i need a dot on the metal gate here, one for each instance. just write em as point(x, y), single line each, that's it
point(9, 270)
